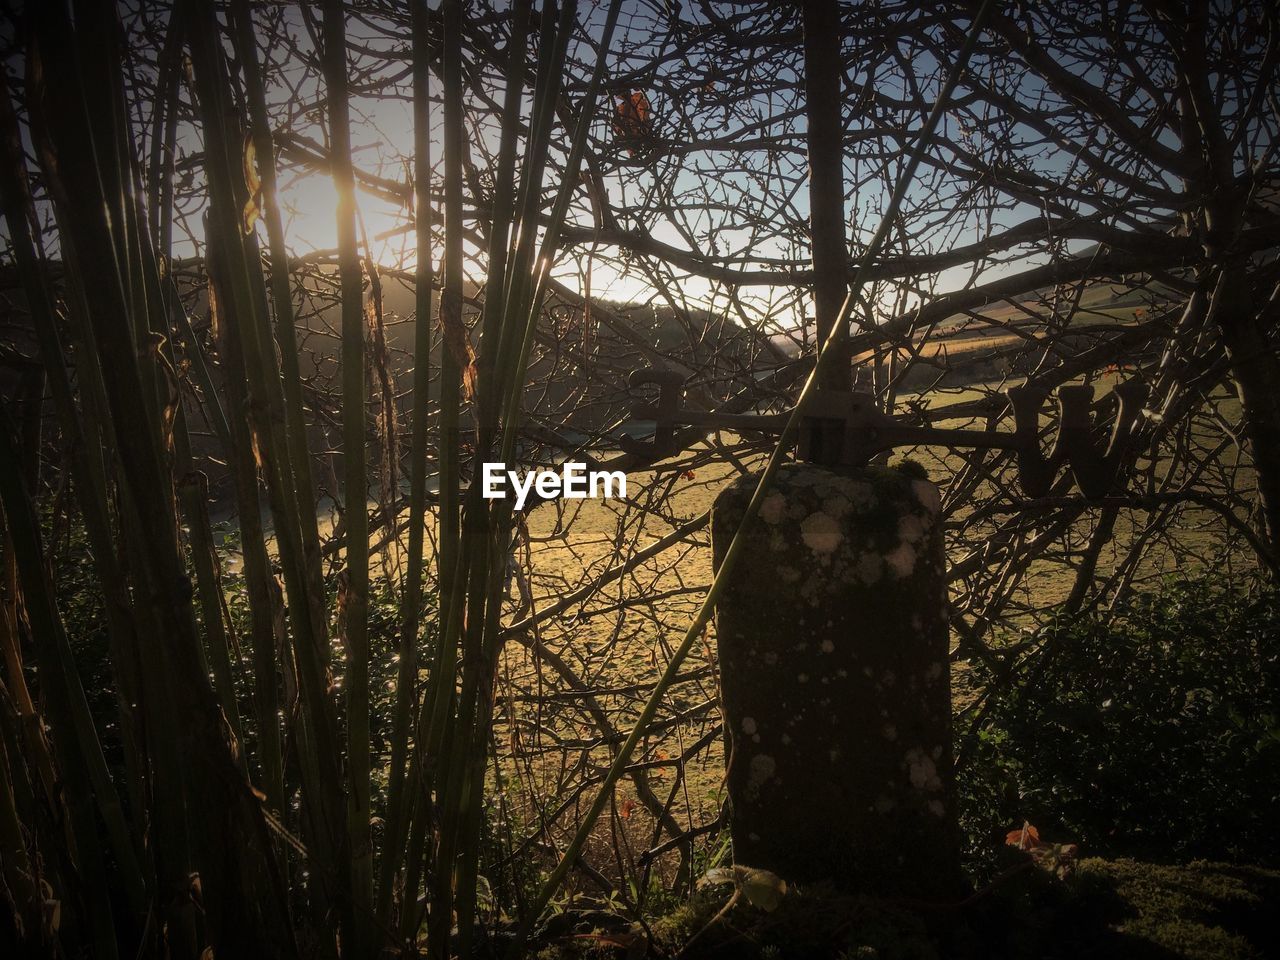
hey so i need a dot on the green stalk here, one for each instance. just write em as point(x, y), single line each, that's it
point(481, 543)
point(436, 723)
point(411, 601)
point(736, 546)
point(542, 268)
point(160, 198)
point(244, 295)
point(286, 338)
point(453, 579)
point(486, 607)
point(243, 902)
point(281, 302)
point(504, 180)
point(486, 533)
point(253, 552)
point(419, 777)
point(193, 491)
point(192, 486)
point(552, 49)
point(488, 389)
point(210, 400)
point(355, 482)
point(175, 450)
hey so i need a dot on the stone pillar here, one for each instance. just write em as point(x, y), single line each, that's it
point(835, 679)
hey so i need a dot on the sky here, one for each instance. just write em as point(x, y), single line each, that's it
point(382, 135)
point(383, 138)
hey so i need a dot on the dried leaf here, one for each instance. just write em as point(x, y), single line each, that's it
point(253, 184)
point(169, 413)
point(716, 875)
point(214, 325)
point(469, 378)
point(1026, 837)
point(633, 122)
point(633, 944)
point(459, 346)
point(52, 908)
point(762, 888)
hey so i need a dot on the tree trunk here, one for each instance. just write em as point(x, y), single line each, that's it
point(1255, 370)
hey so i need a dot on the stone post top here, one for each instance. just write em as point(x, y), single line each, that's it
point(865, 486)
point(814, 506)
point(803, 474)
point(824, 531)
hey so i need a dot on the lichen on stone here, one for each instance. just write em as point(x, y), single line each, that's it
point(928, 495)
point(921, 770)
point(911, 529)
point(821, 532)
point(901, 560)
point(773, 508)
point(762, 768)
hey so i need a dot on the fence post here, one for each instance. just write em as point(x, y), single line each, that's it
point(835, 681)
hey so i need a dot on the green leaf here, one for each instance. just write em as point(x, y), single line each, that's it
point(762, 888)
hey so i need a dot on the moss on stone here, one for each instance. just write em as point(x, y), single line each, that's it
point(809, 923)
point(910, 468)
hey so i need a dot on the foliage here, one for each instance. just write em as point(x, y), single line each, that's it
point(296, 758)
point(1150, 732)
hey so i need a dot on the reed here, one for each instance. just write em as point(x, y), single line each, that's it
point(353, 597)
point(221, 827)
point(404, 774)
point(236, 276)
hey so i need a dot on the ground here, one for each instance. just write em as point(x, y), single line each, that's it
point(1105, 909)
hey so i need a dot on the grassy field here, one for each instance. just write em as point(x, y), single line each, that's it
point(611, 648)
point(594, 662)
